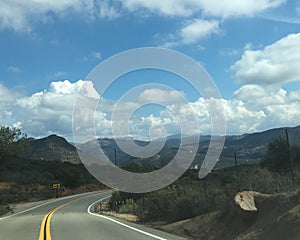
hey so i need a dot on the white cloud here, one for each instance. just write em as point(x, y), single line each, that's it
point(239, 117)
point(279, 107)
point(166, 7)
point(51, 110)
point(22, 15)
point(295, 96)
point(237, 8)
point(213, 8)
point(193, 32)
point(14, 69)
point(96, 55)
point(108, 10)
point(257, 97)
point(159, 95)
point(276, 64)
point(252, 108)
point(199, 29)
point(19, 15)
point(7, 100)
point(159, 126)
point(248, 46)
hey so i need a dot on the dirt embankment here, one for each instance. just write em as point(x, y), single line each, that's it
point(253, 216)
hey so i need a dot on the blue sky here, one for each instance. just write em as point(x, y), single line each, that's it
point(251, 49)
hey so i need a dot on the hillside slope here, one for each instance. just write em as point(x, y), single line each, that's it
point(52, 148)
point(277, 217)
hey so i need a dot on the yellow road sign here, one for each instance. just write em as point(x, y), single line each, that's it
point(55, 185)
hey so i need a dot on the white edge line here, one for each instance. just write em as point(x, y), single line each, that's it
point(48, 202)
point(120, 223)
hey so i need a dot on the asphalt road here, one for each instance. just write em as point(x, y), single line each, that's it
point(72, 218)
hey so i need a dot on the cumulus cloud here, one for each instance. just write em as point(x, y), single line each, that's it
point(6, 95)
point(252, 108)
point(159, 95)
point(7, 100)
point(239, 117)
point(66, 87)
point(277, 63)
point(256, 96)
point(281, 108)
point(48, 111)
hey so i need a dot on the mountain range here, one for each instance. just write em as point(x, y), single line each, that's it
point(249, 148)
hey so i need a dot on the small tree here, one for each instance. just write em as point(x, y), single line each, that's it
point(277, 159)
point(295, 152)
point(12, 143)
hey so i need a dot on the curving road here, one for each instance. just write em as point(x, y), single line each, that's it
point(71, 218)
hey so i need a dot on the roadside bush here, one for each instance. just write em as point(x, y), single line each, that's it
point(262, 180)
point(189, 197)
point(128, 207)
point(173, 203)
point(277, 156)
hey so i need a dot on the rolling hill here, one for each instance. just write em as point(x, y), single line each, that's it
point(52, 148)
point(249, 148)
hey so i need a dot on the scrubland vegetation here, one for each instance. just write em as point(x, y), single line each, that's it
point(23, 179)
point(189, 196)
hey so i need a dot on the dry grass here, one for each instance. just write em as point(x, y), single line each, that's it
point(5, 186)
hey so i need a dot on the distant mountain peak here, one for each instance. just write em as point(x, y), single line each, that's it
point(52, 148)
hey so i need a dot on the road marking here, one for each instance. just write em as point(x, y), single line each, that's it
point(120, 223)
point(45, 225)
point(48, 202)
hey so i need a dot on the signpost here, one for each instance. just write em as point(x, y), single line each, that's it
point(237, 172)
point(289, 156)
point(56, 186)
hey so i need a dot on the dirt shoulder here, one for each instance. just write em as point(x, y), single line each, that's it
point(124, 216)
point(19, 207)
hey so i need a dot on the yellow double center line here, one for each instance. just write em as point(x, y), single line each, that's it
point(45, 226)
